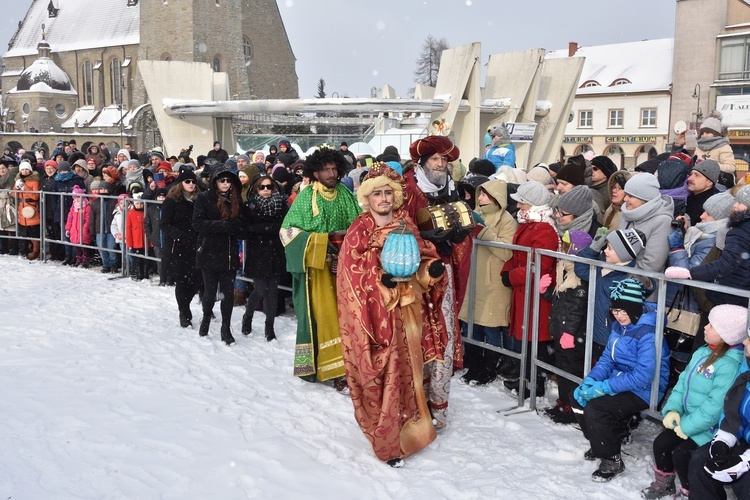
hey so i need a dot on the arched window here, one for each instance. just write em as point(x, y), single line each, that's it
point(620, 81)
point(590, 83)
point(87, 72)
point(247, 50)
point(115, 79)
point(216, 64)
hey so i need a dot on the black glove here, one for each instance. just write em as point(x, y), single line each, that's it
point(728, 468)
point(437, 235)
point(505, 276)
point(458, 235)
point(718, 448)
point(436, 269)
point(387, 281)
point(333, 248)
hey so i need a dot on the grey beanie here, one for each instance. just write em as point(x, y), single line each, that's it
point(712, 125)
point(643, 186)
point(710, 169)
point(576, 201)
point(719, 205)
point(531, 193)
point(95, 184)
point(627, 243)
point(246, 158)
point(540, 173)
point(743, 196)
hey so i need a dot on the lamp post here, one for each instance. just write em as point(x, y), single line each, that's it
point(697, 95)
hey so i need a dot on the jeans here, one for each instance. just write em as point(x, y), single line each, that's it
point(106, 240)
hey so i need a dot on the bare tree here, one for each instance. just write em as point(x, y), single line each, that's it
point(428, 63)
point(321, 89)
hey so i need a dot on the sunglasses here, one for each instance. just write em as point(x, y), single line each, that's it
point(189, 181)
point(263, 187)
point(223, 180)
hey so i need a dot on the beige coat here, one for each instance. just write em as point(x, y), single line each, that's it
point(492, 298)
point(723, 155)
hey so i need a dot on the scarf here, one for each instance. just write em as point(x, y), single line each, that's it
point(640, 213)
point(79, 203)
point(64, 176)
point(580, 223)
point(428, 187)
point(328, 194)
point(134, 176)
point(709, 143)
point(541, 213)
point(702, 231)
point(269, 207)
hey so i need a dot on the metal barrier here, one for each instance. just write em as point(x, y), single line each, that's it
point(661, 289)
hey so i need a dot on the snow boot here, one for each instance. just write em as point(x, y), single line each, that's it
point(488, 371)
point(185, 320)
point(608, 469)
point(662, 485)
point(34, 250)
point(554, 410)
point(205, 324)
point(85, 262)
point(270, 334)
point(566, 416)
point(589, 455)
point(396, 463)
point(247, 324)
point(681, 493)
point(472, 359)
point(226, 334)
point(510, 369)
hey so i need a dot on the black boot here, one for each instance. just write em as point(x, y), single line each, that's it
point(608, 469)
point(472, 360)
point(247, 323)
point(226, 334)
point(185, 320)
point(510, 369)
point(488, 372)
point(270, 334)
point(205, 323)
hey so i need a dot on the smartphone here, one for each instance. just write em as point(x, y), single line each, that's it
point(691, 139)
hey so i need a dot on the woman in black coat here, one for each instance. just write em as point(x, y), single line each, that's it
point(218, 217)
point(265, 262)
point(180, 241)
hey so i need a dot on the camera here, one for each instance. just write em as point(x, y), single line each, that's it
point(677, 223)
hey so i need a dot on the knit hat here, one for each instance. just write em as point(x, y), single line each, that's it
point(577, 241)
point(709, 168)
point(95, 184)
point(104, 185)
point(158, 154)
point(160, 192)
point(282, 175)
point(628, 295)
point(25, 166)
point(50, 163)
point(743, 196)
point(78, 190)
point(576, 201)
point(604, 164)
point(711, 124)
point(483, 167)
point(539, 173)
point(719, 205)
point(63, 166)
point(573, 171)
point(124, 152)
point(627, 243)
point(643, 186)
point(730, 322)
point(185, 174)
point(531, 193)
point(259, 157)
point(112, 172)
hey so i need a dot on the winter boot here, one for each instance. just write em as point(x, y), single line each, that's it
point(247, 324)
point(472, 359)
point(240, 298)
point(566, 416)
point(185, 320)
point(85, 262)
point(488, 371)
point(138, 272)
point(510, 369)
point(34, 250)
point(205, 324)
point(662, 486)
point(554, 410)
point(608, 469)
point(270, 334)
point(226, 334)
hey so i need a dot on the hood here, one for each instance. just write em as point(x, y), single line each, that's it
point(33, 176)
point(225, 171)
point(499, 191)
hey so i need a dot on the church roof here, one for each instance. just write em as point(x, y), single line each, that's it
point(43, 75)
point(79, 24)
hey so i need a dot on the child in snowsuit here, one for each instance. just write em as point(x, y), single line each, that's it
point(77, 227)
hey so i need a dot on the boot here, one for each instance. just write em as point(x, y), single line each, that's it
point(247, 324)
point(472, 359)
point(566, 416)
point(240, 298)
point(85, 263)
point(662, 486)
point(488, 372)
point(608, 469)
point(34, 250)
point(270, 334)
point(205, 323)
point(681, 493)
point(185, 320)
point(226, 334)
point(510, 369)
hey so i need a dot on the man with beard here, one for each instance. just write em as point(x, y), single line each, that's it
point(429, 183)
point(388, 329)
point(323, 208)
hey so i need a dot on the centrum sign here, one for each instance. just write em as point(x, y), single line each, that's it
point(629, 139)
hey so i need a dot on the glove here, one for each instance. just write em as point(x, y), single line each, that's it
point(579, 397)
point(721, 444)
point(436, 235)
point(458, 235)
point(387, 281)
point(596, 390)
point(567, 341)
point(671, 420)
point(600, 239)
point(67, 234)
point(544, 283)
point(678, 273)
point(676, 239)
point(19, 184)
point(678, 431)
point(436, 269)
point(728, 468)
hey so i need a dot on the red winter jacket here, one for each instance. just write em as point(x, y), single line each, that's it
point(135, 228)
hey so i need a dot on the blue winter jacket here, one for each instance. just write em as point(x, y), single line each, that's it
point(699, 396)
point(744, 408)
point(504, 154)
point(629, 360)
point(602, 319)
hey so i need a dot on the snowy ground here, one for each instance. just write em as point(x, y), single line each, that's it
point(105, 396)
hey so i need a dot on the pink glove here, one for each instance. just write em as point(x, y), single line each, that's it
point(544, 283)
point(678, 273)
point(567, 341)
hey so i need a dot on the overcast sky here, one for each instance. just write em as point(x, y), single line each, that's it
point(355, 45)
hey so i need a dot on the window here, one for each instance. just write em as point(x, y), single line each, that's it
point(88, 83)
point(648, 117)
point(585, 119)
point(615, 118)
point(115, 80)
point(26, 108)
point(60, 110)
point(247, 50)
point(590, 83)
point(620, 81)
point(216, 64)
point(733, 62)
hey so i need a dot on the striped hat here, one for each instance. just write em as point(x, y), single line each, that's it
point(627, 243)
point(628, 294)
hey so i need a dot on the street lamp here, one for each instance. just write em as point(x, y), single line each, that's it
point(697, 95)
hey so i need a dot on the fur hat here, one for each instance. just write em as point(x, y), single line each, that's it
point(711, 124)
point(719, 205)
point(743, 196)
point(643, 186)
point(573, 171)
point(483, 167)
point(531, 193)
point(604, 164)
point(730, 322)
point(627, 243)
point(576, 201)
point(390, 153)
point(628, 295)
point(709, 168)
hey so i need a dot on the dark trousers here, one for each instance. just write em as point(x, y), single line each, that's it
point(572, 360)
point(24, 246)
point(672, 454)
point(187, 284)
point(604, 419)
point(8, 244)
point(224, 281)
point(56, 250)
point(267, 290)
point(704, 487)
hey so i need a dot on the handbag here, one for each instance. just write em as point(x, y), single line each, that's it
point(679, 316)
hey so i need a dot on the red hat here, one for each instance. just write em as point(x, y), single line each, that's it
point(50, 163)
point(164, 166)
point(432, 144)
point(112, 172)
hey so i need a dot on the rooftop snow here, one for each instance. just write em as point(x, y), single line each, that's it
point(646, 64)
point(46, 73)
point(74, 28)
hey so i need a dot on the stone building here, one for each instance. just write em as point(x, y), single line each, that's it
point(71, 67)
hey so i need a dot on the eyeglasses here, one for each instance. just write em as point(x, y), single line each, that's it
point(618, 312)
point(561, 213)
point(594, 168)
point(223, 180)
point(263, 187)
point(189, 181)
